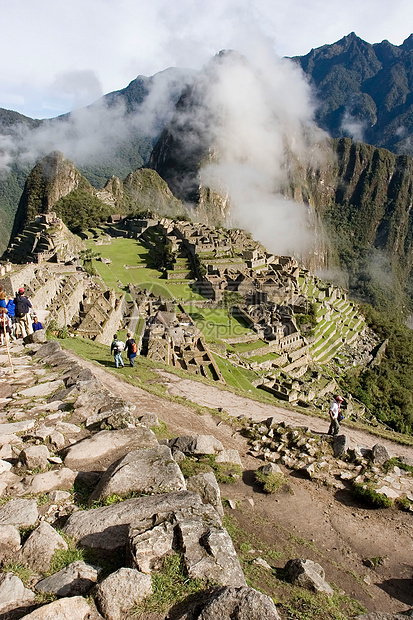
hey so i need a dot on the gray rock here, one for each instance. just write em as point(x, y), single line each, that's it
point(119, 592)
point(16, 427)
point(102, 449)
point(206, 485)
point(340, 445)
point(148, 548)
point(48, 349)
point(196, 532)
point(75, 579)
point(236, 603)
point(270, 468)
point(210, 554)
point(146, 471)
point(4, 466)
point(39, 548)
point(42, 389)
point(9, 541)
point(229, 456)
point(111, 407)
point(19, 512)
point(196, 444)
point(149, 420)
point(36, 337)
point(61, 479)
point(59, 496)
point(380, 454)
point(34, 456)
point(7, 479)
point(13, 594)
point(307, 574)
point(107, 527)
point(72, 608)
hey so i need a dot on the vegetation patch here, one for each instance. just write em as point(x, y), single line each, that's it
point(225, 473)
point(370, 497)
point(271, 483)
point(171, 586)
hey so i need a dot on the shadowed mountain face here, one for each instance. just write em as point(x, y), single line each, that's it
point(364, 91)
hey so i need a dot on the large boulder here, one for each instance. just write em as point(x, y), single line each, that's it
point(107, 527)
point(206, 485)
point(119, 592)
point(19, 512)
point(196, 444)
point(379, 454)
point(147, 471)
point(61, 479)
point(196, 532)
point(72, 608)
point(340, 445)
point(307, 574)
point(236, 603)
point(13, 594)
point(75, 579)
point(35, 456)
point(102, 449)
point(39, 548)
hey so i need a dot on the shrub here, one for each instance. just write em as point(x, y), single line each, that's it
point(271, 483)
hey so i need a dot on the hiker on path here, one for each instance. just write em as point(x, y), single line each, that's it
point(335, 416)
point(22, 307)
point(116, 348)
point(131, 350)
point(36, 325)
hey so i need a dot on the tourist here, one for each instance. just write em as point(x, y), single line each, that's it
point(3, 299)
point(5, 325)
point(131, 350)
point(335, 416)
point(11, 312)
point(36, 325)
point(22, 307)
point(116, 348)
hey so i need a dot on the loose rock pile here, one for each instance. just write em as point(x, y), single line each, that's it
point(331, 461)
point(81, 473)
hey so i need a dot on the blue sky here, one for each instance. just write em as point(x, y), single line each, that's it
point(57, 56)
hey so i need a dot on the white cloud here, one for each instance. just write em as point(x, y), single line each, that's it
point(115, 40)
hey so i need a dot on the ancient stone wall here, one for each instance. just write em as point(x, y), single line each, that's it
point(113, 322)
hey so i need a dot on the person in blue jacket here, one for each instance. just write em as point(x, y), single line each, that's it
point(36, 324)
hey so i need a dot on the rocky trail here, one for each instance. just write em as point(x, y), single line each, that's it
point(182, 419)
point(343, 531)
point(75, 438)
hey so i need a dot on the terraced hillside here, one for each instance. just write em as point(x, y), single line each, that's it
point(251, 309)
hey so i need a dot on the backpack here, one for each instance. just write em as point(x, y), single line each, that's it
point(119, 346)
point(133, 347)
point(20, 306)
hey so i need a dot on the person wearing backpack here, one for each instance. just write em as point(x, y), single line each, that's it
point(335, 416)
point(116, 348)
point(22, 307)
point(131, 350)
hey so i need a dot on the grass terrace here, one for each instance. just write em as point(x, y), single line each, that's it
point(130, 264)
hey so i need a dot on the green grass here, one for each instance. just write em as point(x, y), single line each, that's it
point(130, 252)
point(370, 497)
point(171, 586)
point(215, 323)
point(271, 483)
point(225, 473)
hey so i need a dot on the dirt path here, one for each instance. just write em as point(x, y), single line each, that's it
point(210, 396)
point(312, 521)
